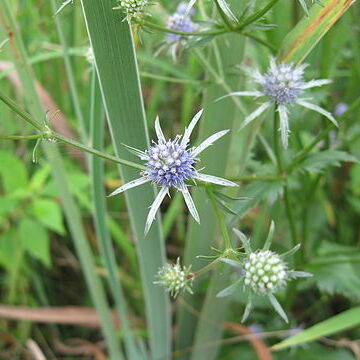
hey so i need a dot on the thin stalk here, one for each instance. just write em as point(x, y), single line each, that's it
point(208, 267)
point(26, 116)
point(218, 79)
point(277, 150)
point(257, 178)
point(259, 14)
point(287, 201)
point(184, 33)
point(20, 137)
point(226, 20)
point(52, 135)
point(70, 73)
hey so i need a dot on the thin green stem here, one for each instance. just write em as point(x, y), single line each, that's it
point(259, 14)
point(221, 220)
point(287, 201)
point(48, 134)
point(277, 150)
point(23, 114)
point(70, 74)
point(208, 267)
point(20, 137)
point(257, 178)
point(184, 33)
point(100, 154)
point(226, 20)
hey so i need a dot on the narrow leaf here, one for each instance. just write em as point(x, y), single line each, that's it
point(340, 322)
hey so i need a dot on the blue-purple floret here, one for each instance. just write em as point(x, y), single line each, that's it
point(170, 164)
point(283, 84)
point(179, 22)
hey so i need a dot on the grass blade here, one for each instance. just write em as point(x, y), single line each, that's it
point(309, 31)
point(97, 125)
point(340, 322)
point(115, 60)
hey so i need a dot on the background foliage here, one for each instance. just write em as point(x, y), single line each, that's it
point(66, 249)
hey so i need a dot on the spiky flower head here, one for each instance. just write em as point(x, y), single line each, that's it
point(133, 8)
point(265, 272)
point(175, 278)
point(262, 272)
point(170, 164)
point(282, 85)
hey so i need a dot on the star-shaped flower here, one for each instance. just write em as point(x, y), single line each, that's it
point(282, 85)
point(263, 273)
point(171, 163)
point(179, 21)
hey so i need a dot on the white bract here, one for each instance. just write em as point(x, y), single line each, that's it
point(170, 163)
point(282, 85)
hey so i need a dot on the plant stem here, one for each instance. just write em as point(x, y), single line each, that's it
point(23, 114)
point(276, 142)
point(259, 14)
point(20, 137)
point(208, 267)
point(287, 202)
point(46, 133)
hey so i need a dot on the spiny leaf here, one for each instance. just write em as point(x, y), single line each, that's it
point(319, 161)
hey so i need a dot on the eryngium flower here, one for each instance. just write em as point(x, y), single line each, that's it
point(175, 278)
point(179, 21)
point(282, 85)
point(133, 8)
point(171, 163)
point(264, 272)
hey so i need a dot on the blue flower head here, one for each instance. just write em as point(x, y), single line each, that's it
point(171, 163)
point(282, 85)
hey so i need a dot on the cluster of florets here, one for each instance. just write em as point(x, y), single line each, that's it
point(283, 83)
point(169, 163)
point(180, 21)
point(175, 278)
point(133, 8)
point(265, 272)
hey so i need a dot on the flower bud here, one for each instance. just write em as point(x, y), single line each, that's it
point(175, 278)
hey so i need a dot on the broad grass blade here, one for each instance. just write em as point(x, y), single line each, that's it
point(115, 60)
point(310, 30)
point(340, 322)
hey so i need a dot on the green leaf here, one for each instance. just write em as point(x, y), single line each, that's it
point(340, 322)
point(10, 249)
point(117, 70)
point(317, 162)
point(309, 31)
point(35, 240)
point(12, 171)
point(48, 212)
